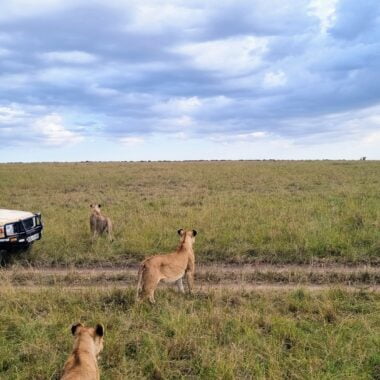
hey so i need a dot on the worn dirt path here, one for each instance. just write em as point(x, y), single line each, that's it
point(207, 288)
point(215, 276)
point(236, 268)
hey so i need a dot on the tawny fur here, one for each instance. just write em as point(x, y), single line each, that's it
point(171, 267)
point(82, 364)
point(99, 223)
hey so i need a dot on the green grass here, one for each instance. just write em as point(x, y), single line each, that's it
point(298, 335)
point(277, 212)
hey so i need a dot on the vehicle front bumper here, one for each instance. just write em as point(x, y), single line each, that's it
point(24, 237)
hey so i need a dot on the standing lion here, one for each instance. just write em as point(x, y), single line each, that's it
point(171, 267)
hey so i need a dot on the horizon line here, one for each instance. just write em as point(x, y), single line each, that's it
point(175, 161)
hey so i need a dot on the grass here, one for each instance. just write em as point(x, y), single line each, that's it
point(275, 212)
point(296, 335)
point(245, 212)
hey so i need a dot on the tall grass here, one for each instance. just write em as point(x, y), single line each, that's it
point(244, 211)
point(298, 335)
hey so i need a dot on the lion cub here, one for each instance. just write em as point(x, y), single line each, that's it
point(99, 223)
point(82, 364)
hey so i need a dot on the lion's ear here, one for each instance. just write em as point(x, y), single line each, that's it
point(99, 330)
point(74, 328)
point(195, 233)
point(180, 232)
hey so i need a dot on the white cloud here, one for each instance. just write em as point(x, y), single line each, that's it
point(325, 10)
point(274, 79)
point(233, 56)
point(241, 137)
point(131, 140)
point(194, 105)
point(178, 105)
point(160, 15)
point(184, 121)
point(10, 114)
point(53, 132)
point(103, 91)
point(255, 135)
point(185, 104)
point(363, 125)
point(71, 56)
point(372, 138)
point(181, 136)
point(64, 76)
point(176, 123)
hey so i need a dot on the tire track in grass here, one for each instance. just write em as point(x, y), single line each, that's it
point(217, 276)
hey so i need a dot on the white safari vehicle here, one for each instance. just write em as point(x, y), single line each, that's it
point(19, 228)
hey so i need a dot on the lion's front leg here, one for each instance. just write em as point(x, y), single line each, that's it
point(180, 286)
point(190, 280)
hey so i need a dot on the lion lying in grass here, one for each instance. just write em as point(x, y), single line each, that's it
point(169, 268)
point(82, 364)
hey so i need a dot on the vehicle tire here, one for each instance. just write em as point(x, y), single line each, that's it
point(4, 257)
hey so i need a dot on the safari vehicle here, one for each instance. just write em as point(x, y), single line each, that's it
point(19, 229)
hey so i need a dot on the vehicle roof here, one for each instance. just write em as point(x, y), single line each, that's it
point(9, 216)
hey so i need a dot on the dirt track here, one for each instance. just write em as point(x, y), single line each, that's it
point(242, 278)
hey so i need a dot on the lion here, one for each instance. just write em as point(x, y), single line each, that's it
point(171, 267)
point(82, 364)
point(99, 223)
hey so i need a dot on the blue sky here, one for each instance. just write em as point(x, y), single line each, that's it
point(176, 80)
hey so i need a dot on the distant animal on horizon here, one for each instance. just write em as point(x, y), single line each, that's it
point(170, 267)
point(99, 223)
point(82, 364)
point(363, 158)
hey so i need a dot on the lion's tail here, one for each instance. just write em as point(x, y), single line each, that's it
point(139, 280)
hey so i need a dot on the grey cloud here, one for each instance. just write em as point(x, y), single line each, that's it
point(134, 70)
point(262, 18)
point(356, 18)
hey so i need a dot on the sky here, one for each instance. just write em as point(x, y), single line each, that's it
point(189, 79)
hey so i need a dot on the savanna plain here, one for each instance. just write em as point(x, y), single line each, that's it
point(267, 231)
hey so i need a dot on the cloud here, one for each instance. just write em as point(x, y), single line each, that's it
point(24, 9)
point(355, 19)
point(159, 16)
point(372, 138)
point(53, 132)
point(131, 140)
point(11, 114)
point(305, 72)
point(74, 57)
point(34, 125)
point(241, 137)
point(274, 79)
point(325, 10)
point(232, 56)
point(178, 105)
